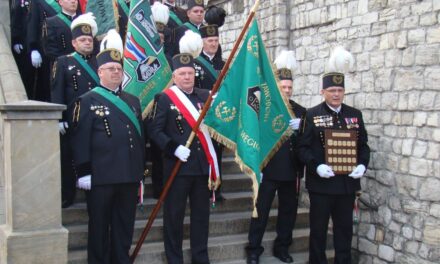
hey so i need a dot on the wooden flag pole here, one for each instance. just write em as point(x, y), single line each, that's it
point(192, 135)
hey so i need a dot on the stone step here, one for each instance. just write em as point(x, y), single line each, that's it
point(234, 201)
point(230, 183)
point(229, 166)
point(298, 258)
point(223, 249)
point(220, 224)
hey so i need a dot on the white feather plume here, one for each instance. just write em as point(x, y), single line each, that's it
point(161, 13)
point(87, 18)
point(112, 41)
point(191, 43)
point(340, 60)
point(286, 59)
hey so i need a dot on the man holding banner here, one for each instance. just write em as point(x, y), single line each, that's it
point(281, 175)
point(72, 76)
point(176, 111)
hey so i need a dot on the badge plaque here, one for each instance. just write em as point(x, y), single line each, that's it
point(341, 150)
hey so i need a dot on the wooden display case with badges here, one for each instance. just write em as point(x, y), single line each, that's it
point(341, 150)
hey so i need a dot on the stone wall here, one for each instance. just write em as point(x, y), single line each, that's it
point(396, 84)
point(11, 87)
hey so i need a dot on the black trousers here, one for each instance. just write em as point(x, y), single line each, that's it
point(27, 72)
point(156, 169)
point(68, 177)
point(196, 188)
point(112, 210)
point(340, 209)
point(42, 81)
point(287, 210)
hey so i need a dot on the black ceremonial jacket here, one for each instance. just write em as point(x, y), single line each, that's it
point(105, 142)
point(204, 78)
point(70, 80)
point(39, 12)
point(169, 130)
point(285, 165)
point(58, 37)
point(311, 147)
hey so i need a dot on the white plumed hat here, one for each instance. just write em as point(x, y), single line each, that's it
point(191, 43)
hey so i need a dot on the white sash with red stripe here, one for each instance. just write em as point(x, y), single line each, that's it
point(191, 115)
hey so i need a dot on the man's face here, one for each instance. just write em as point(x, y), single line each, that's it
point(83, 44)
point(333, 96)
point(69, 5)
point(184, 78)
point(286, 87)
point(196, 15)
point(210, 45)
point(111, 75)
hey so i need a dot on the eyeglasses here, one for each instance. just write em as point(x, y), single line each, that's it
point(114, 69)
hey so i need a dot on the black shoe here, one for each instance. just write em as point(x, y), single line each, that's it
point(66, 203)
point(283, 256)
point(252, 259)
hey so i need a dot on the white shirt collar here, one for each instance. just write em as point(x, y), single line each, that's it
point(209, 56)
point(337, 110)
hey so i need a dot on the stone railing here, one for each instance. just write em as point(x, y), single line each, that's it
point(30, 182)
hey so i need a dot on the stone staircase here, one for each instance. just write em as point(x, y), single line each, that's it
point(229, 224)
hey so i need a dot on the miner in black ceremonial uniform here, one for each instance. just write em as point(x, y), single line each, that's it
point(72, 76)
point(40, 10)
point(208, 66)
point(195, 13)
point(332, 194)
point(20, 12)
point(210, 63)
point(123, 13)
point(175, 112)
point(177, 14)
point(281, 175)
point(58, 36)
point(109, 153)
point(161, 16)
point(177, 18)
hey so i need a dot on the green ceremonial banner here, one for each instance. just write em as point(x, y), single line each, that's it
point(146, 69)
point(249, 114)
point(104, 12)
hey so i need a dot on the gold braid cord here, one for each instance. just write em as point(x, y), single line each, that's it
point(76, 112)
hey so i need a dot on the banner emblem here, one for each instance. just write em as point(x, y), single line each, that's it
point(253, 99)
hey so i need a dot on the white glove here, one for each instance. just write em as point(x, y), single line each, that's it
point(85, 182)
point(36, 59)
point(182, 153)
point(294, 123)
point(63, 126)
point(325, 171)
point(358, 172)
point(18, 48)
